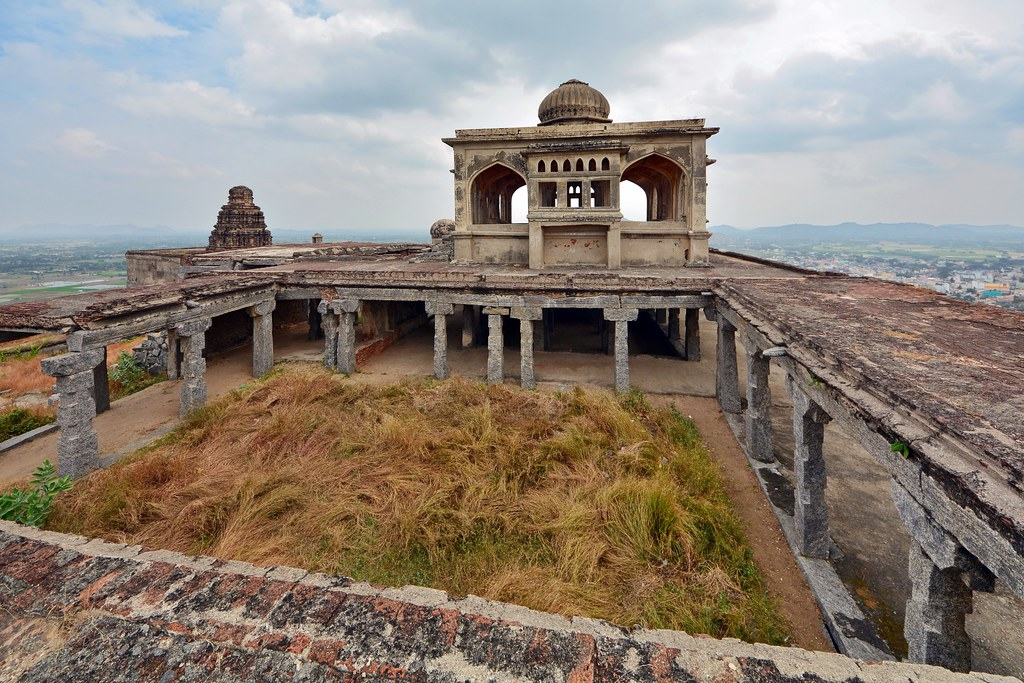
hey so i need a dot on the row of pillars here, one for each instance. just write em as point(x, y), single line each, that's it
point(81, 383)
point(686, 337)
point(942, 572)
point(527, 316)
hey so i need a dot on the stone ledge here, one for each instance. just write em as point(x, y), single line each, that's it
point(78, 609)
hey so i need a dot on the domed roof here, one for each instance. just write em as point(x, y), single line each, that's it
point(574, 102)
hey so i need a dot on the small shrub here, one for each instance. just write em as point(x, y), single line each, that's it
point(32, 505)
point(128, 377)
point(17, 421)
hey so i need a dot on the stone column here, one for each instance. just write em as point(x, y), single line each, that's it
point(811, 512)
point(101, 384)
point(262, 337)
point(173, 360)
point(943, 575)
point(726, 380)
point(495, 344)
point(692, 334)
point(526, 316)
point(313, 316)
point(78, 448)
point(673, 324)
point(346, 310)
point(615, 245)
point(193, 365)
point(621, 318)
point(470, 316)
point(440, 311)
point(329, 323)
point(759, 403)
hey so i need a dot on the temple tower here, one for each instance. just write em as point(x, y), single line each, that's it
point(240, 223)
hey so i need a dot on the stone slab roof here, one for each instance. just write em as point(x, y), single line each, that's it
point(76, 609)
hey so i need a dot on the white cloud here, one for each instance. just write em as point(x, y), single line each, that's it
point(82, 143)
point(122, 18)
point(185, 100)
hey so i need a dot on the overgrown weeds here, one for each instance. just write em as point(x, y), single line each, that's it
point(127, 377)
point(17, 421)
point(574, 503)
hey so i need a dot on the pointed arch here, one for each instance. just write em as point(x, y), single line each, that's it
point(663, 181)
point(540, 166)
point(593, 165)
point(491, 193)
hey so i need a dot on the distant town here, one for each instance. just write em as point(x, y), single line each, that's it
point(995, 278)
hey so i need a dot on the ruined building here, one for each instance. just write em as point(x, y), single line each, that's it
point(928, 387)
point(240, 223)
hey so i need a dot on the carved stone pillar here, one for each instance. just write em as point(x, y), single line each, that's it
point(440, 311)
point(673, 324)
point(346, 310)
point(78, 449)
point(692, 334)
point(313, 316)
point(262, 337)
point(329, 323)
point(495, 344)
point(193, 366)
point(621, 318)
point(726, 380)
point(173, 354)
point(526, 316)
point(759, 403)
point(811, 511)
point(101, 384)
point(943, 575)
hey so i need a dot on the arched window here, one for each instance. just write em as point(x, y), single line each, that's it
point(604, 164)
point(492, 192)
point(554, 165)
point(579, 164)
point(566, 166)
point(540, 166)
point(662, 181)
point(593, 165)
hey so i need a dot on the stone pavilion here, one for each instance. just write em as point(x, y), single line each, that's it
point(572, 165)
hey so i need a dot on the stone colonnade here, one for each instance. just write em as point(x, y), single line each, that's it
point(82, 376)
point(943, 572)
point(82, 381)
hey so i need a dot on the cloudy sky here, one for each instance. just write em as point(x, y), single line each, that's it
point(146, 112)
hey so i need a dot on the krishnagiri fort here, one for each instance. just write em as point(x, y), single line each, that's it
point(929, 387)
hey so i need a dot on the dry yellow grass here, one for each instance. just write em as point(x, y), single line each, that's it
point(22, 374)
point(574, 503)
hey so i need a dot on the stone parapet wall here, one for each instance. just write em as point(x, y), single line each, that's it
point(77, 609)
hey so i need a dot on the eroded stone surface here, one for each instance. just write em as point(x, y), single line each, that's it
point(95, 611)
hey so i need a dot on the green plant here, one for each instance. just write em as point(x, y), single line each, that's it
point(17, 421)
point(815, 381)
point(22, 353)
point(128, 377)
point(901, 448)
point(32, 505)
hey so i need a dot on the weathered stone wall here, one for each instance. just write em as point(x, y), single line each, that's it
point(153, 266)
point(84, 610)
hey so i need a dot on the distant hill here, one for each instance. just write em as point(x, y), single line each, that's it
point(909, 233)
point(135, 236)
